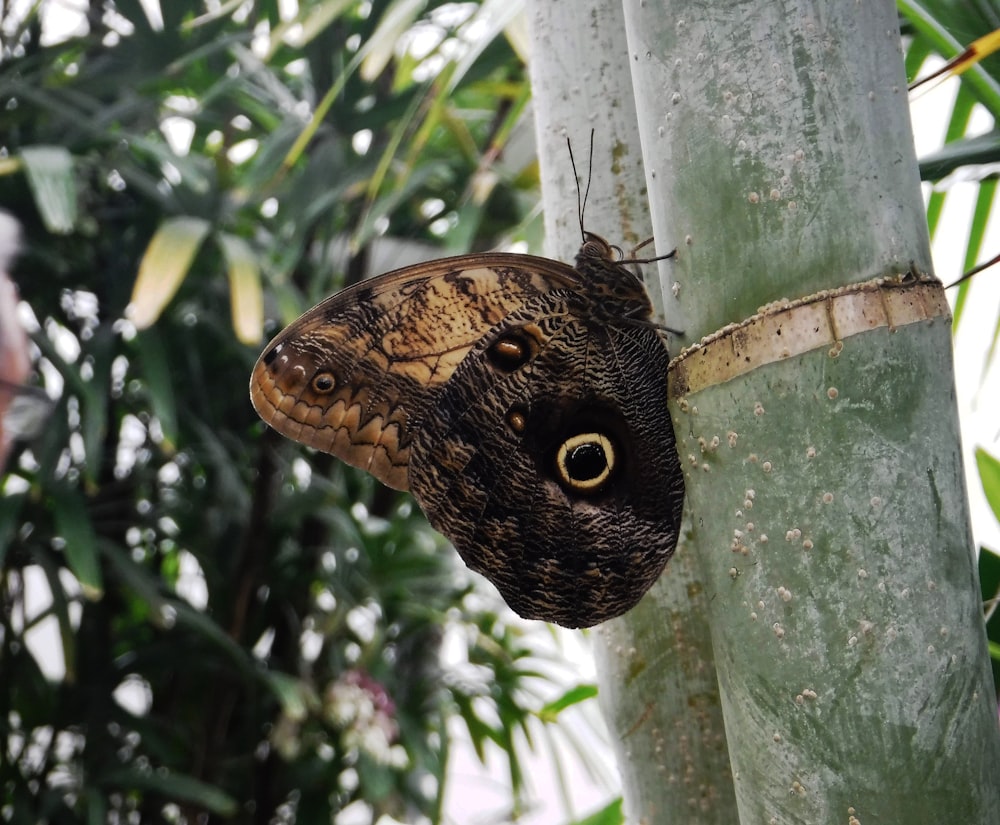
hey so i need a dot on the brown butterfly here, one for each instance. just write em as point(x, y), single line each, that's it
point(521, 400)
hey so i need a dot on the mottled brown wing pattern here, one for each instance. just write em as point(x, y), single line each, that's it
point(521, 400)
point(347, 376)
point(485, 466)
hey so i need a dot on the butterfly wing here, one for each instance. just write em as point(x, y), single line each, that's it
point(554, 472)
point(350, 375)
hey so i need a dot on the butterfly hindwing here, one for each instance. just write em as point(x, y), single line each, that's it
point(558, 478)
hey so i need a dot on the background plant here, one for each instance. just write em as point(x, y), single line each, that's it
point(249, 631)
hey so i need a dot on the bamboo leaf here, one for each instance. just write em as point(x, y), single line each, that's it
point(915, 56)
point(989, 477)
point(246, 295)
point(155, 365)
point(311, 21)
point(163, 267)
point(390, 201)
point(982, 149)
point(491, 19)
point(611, 814)
point(51, 178)
point(573, 696)
point(94, 403)
point(977, 231)
point(10, 508)
point(171, 612)
point(295, 696)
point(383, 42)
point(174, 786)
point(73, 526)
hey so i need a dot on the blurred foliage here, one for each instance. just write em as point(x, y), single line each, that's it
point(945, 29)
point(246, 631)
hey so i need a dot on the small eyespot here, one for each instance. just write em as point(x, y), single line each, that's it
point(584, 462)
point(271, 354)
point(323, 383)
point(509, 352)
point(517, 420)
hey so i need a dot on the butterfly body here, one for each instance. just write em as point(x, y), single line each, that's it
point(521, 400)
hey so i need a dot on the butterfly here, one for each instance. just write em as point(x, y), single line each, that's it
point(521, 400)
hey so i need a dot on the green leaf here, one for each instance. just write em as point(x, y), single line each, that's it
point(51, 178)
point(164, 265)
point(479, 731)
point(10, 509)
point(386, 204)
point(96, 805)
point(208, 628)
point(134, 576)
point(175, 787)
point(155, 365)
point(94, 402)
point(915, 56)
point(294, 694)
point(310, 22)
point(490, 20)
point(383, 42)
point(611, 814)
point(977, 231)
point(573, 696)
point(989, 477)
point(981, 149)
point(989, 581)
point(174, 612)
point(72, 523)
point(246, 296)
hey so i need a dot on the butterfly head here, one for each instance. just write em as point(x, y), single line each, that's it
point(595, 248)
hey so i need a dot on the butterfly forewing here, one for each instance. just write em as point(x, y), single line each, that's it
point(350, 374)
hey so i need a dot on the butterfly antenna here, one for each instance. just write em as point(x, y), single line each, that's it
point(590, 177)
point(581, 200)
